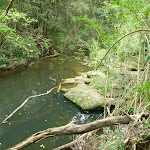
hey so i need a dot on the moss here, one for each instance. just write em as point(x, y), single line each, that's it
point(86, 97)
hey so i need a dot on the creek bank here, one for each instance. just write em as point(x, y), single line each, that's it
point(79, 91)
point(17, 64)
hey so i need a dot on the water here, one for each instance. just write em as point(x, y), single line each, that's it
point(42, 112)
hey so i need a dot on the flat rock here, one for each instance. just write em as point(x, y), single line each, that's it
point(71, 82)
point(77, 79)
point(87, 97)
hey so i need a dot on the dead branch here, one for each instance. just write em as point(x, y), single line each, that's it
point(4, 121)
point(66, 146)
point(76, 143)
point(108, 110)
point(72, 128)
point(8, 7)
point(132, 119)
point(59, 88)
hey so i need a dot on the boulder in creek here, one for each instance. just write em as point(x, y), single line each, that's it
point(86, 97)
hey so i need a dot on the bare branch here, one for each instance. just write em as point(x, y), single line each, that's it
point(4, 121)
point(120, 40)
point(108, 110)
point(127, 115)
point(8, 7)
point(66, 146)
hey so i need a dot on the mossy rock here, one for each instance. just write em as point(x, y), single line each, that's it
point(87, 97)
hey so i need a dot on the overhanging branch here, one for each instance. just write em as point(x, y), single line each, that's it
point(147, 30)
point(8, 7)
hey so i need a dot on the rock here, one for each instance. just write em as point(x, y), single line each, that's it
point(87, 97)
point(71, 82)
point(79, 91)
point(91, 74)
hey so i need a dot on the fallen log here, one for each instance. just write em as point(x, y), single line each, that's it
point(72, 128)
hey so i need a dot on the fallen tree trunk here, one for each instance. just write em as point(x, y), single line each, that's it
point(72, 128)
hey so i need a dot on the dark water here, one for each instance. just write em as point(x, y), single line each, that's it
point(42, 112)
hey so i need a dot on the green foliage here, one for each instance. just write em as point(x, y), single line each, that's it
point(96, 52)
point(131, 110)
point(12, 38)
point(115, 139)
point(85, 28)
point(91, 23)
point(146, 86)
point(11, 34)
point(3, 60)
point(129, 16)
point(17, 17)
point(147, 60)
point(17, 40)
point(67, 23)
point(145, 91)
point(80, 54)
point(146, 129)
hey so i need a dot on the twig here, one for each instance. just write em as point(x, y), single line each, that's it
point(59, 88)
point(127, 115)
point(67, 58)
point(109, 145)
point(120, 40)
point(4, 121)
point(145, 108)
point(78, 139)
point(66, 146)
point(144, 142)
point(126, 141)
point(140, 116)
point(109, 112)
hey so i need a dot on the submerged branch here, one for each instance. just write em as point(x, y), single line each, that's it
point(4, 121)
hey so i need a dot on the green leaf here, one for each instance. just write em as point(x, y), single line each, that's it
point(148, 60)
point(146, 86)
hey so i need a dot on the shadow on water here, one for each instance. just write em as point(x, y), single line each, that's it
point(42, 112)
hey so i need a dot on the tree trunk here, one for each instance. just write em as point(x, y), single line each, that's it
point(72, 128)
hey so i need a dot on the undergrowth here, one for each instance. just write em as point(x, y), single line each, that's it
point(124, 137)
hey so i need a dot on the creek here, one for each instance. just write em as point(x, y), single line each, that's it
point(42, 112)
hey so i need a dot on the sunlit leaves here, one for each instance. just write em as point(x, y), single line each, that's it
point(147, 60)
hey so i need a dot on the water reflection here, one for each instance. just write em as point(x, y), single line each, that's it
point(42, 112)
